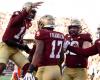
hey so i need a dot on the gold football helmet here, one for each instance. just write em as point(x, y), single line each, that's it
point(75, 24)
point(46, 21)
point(27, 4)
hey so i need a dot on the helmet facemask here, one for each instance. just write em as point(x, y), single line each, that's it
point(75, 28)
point(31, 14)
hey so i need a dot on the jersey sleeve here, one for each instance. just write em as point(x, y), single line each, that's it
point(40, 35)
point(86, 37)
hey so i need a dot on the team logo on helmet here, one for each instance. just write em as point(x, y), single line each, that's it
point(47, 21)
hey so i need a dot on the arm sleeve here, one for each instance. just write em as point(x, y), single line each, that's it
point(85, 52)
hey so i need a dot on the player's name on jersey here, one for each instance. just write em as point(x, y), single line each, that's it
point(57, 35)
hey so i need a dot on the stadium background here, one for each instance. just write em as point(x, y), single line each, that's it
point(62, 23)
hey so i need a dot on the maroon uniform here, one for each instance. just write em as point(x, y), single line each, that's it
point(13, 39)
point(53, 42)
point(73, 60)
point(16, 27)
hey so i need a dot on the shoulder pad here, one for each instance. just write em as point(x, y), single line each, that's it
point(41, 34)
point(86, 37)
point(16, 13)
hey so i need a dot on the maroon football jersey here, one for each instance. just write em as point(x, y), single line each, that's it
point(73, 60)
point(16, 27)
point(53, 42)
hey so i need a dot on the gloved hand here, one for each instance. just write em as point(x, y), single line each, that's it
point(29, 5)
point(29, 76)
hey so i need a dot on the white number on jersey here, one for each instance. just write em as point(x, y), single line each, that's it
point(59, 43)
point(75, 44)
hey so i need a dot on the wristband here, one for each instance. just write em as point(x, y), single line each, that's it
point(31, 68)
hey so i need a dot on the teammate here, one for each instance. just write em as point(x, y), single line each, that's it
point(75, 66)
point(12, 40)
point(48, 49)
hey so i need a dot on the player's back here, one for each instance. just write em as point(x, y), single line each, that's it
point(53, 42)
point(48, 68)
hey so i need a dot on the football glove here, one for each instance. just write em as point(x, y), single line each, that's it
point(29, 76)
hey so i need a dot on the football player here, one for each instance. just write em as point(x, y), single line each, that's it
point(49, 45)
point(12, 40)
point(75, 66)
